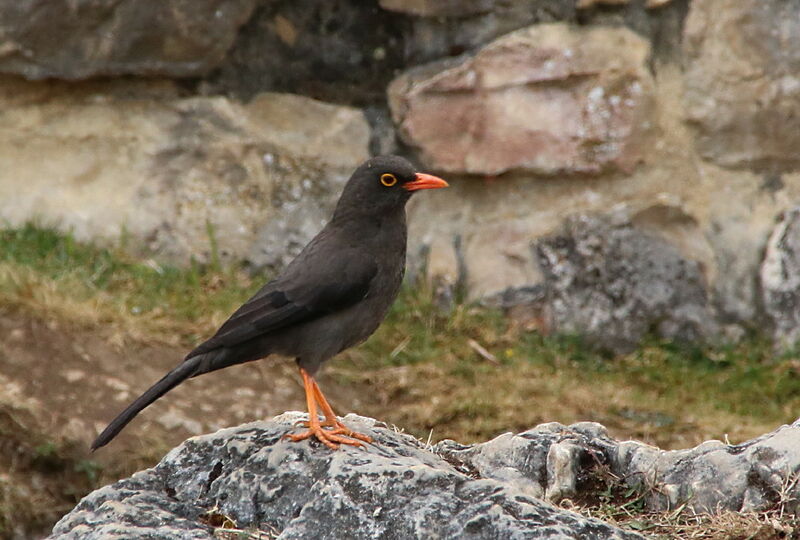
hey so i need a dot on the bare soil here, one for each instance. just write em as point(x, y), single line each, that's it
point(60, 385)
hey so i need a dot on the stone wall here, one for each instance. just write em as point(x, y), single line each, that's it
point(611, 163)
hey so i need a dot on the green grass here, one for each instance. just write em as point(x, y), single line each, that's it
point(659, 390)
point(83, 272)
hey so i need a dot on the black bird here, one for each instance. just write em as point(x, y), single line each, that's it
point(332, 296)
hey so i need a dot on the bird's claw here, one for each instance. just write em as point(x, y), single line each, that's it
point(337, 429)
point(331, 438)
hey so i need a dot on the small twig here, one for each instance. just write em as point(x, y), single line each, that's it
point(486, 355)
point(400, 347)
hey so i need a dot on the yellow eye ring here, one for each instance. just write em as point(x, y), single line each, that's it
point(388, 179)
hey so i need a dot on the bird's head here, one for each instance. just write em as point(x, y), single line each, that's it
point(384, 183)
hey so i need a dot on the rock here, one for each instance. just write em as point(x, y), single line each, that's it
point(438, 8)
point(250, 478)
point(442, 29)
point(312, 130)
point(743, 81)
point(559, 462)
point(175, 174)
point(585, 4)
point(344, 51)
point(546, 99)
point(614, 283)
point(87, 38)
point(499, 257)
point(780, 279)
point(443, 271)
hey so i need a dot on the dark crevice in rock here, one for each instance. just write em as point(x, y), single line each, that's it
point(213, 475)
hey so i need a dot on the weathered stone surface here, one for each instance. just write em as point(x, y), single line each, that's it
point(546, 99)
point(171, 172)
point(395, 488)
point(87, 38)
point(614, 283)
point(558, 462)
point(743, 81)
point(344, 51)
point(312, 130)
point(780, 278)
point(439, 8)
point(585, 4)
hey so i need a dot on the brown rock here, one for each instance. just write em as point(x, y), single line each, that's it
point(548, 99)
point(743, 81)
point(86, 38)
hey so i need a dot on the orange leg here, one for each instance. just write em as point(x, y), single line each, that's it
point(329, 437)
point(332, 421)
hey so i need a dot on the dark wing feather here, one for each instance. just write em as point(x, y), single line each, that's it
point(304, 292)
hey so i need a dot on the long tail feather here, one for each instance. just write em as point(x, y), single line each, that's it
point(172, 379)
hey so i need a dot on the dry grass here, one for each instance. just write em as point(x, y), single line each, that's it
point(466, 375)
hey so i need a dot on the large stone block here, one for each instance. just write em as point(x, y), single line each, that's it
point(77, 39)
point(173, 172)
point(546, 99)
point(743, 81)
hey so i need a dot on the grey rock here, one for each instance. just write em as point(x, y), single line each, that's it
point(394, 489)
point(438, 29)
point(563, 462)
point(441, 29)
point(614, 283)
point(780, 279)
point(439, 8)
point(344, 51)
point(85, 38)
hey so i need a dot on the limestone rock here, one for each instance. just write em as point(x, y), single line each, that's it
point(175, 174)
point(87, 38)
point(614, 283)
point(252, 479)
point(546, 99)
point(559, 462)
point(780, 279)
point(743, 81)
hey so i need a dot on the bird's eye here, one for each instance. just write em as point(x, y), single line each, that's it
point(388, 179)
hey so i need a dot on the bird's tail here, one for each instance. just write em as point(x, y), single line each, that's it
point(186, 369)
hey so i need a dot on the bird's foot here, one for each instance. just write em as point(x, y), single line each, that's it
point(331, 438)
point(337, 428)
point(341, 429)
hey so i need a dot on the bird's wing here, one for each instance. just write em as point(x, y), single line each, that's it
point(310, 287)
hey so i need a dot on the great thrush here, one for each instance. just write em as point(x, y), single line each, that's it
point(332, 296)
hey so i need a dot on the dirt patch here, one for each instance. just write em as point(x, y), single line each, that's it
point(60, 385)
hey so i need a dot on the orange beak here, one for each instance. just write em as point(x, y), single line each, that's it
point(425, 181)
